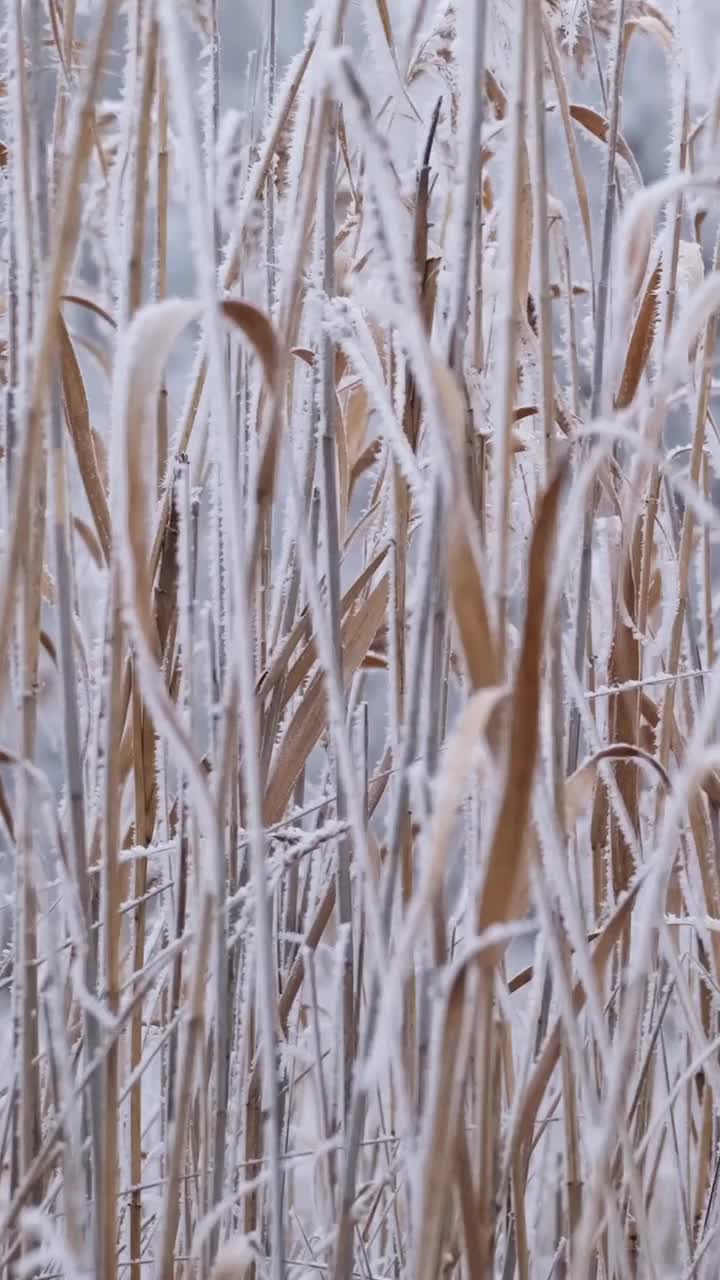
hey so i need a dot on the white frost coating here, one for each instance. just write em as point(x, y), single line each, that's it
point(573, 1033)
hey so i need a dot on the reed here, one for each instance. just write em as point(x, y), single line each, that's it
point(358, 767)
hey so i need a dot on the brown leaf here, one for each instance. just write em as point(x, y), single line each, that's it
point(305, 729)
point(496, 94)
point(577, 171)
point(580, 786)
point(641, 341)
point(457, 761)
point(77, 417)
point(89, 304)
point(89, 540)
point(508, 845)
point(465, 583)
point(355, 421)
point(304, 354)
point(278, 668)
point(653, 23)
point(438, 1171)
point(598, 126)
point(49, 647)
point(374, 662)
point(384, 16)
point(467, 596)
point(258, 329)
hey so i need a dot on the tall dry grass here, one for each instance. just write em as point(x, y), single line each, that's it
point(359, 767)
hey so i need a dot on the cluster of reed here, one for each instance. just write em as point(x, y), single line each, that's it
point(359, 780)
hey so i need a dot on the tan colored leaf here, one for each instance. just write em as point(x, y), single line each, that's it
point(101, 457)
point(90, 304)
point(77, 417)
point(455, 769)
point(577, 172)
point(374, 662)
point(278, 668)
point(641, 341)
point(384, 16)
point(259, 330)
point(508, 845)
point(89, 540)
point(304, 732)
point(598, 126)
point(467, 596)
point(651, 24)
point(304, 354)
point(467, 592)
point(580, 786)
point(355, 419)
point(496, 94)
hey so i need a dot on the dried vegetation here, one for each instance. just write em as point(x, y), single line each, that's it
point(359, 775)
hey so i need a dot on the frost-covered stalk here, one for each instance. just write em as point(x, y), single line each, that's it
point(161, 248)
point(331, 425)
point(242, 658)
point(511, 326)
point(271, 80)
point(669, 275)
point(136, 120)
point(186, 844)
point(213, 129)
point(106, 1176)
point(396, 820)
point(26, 1013)
point(471, 56)
point(547, 371)
point(146, 63)
point(685, 550)
point(600, 393)
point(64, 569)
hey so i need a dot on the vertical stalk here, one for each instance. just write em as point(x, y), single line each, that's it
point(511, 327)
point(161, 251)
point(331, 426)
point(469, 166)
point(547, 373)
point(147, 55)
point(599, 393)
point(34, 239)
point(269, 185)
